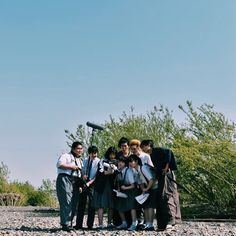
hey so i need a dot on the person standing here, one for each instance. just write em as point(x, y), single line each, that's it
point(103, 197)
point(168, 207)
point(125, 152)
point(136, 150)
point(69, 167)
point(148, 184)
point(123, 144)
point(89, 171)
point(126, 184)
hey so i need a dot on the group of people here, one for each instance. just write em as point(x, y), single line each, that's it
point(112, 184)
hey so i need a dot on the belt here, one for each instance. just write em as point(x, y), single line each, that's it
point(64, 175)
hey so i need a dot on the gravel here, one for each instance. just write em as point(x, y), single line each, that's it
point(45, 221)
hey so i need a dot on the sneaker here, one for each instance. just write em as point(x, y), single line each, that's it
point(100, 227)
point(110, 226)
point(149, 228)
point(122, 226)
point(169, 227)
point(132, 227)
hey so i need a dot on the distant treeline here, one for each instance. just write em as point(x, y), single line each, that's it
point(23, 194)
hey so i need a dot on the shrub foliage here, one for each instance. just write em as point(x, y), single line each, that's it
point(204, 145)
point(22, 194)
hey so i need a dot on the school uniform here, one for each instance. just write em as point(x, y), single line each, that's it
point(90, 169)
point(67, 187)
point(145, 158)
point(126, 177)
point(145, 176)
point(103, 187)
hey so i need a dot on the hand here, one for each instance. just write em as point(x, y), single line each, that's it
point(164, 171)
point(85, 177)
point(74, 167)
point(114, 167)
point(123, 187)
point(145, 190)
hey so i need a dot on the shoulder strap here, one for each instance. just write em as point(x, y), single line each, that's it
point(143, 174)
point(125, 173)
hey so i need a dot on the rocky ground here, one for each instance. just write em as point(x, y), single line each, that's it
point(44, 221)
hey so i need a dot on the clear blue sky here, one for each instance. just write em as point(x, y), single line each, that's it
point(63, 63)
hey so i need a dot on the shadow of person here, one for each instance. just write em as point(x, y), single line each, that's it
point(33, 229)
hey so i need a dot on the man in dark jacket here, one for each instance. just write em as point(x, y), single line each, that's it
point(168, 208)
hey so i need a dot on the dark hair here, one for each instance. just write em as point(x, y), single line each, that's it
point(147, 142)
point(75, 145)
point(123, 140)
point(135, 158)
point(123, 159)
point(110, 150)
point(92, 149)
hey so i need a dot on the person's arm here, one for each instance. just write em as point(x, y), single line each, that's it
point(150, 184)
point(68, 166)
point(123, 187)
point(130, 178)
point(149, 160)
point(167, 159)
point(65, 163)
point(145, 170)
point(90, 182)
point(166, 169)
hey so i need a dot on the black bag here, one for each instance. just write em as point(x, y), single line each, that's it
point(78, 182)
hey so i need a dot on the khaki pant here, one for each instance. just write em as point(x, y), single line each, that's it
point(168, 207)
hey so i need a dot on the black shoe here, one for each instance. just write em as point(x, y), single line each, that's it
point(67, 228)
point(77, 227)
point(140, 226)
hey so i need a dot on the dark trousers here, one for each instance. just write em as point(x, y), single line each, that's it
point(84, 196)
point(75, 199)
point(168, 207)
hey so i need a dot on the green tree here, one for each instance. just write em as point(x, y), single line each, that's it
point(4, 175)
point(204, 147)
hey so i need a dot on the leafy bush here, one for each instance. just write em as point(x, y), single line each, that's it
point(22, 194)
